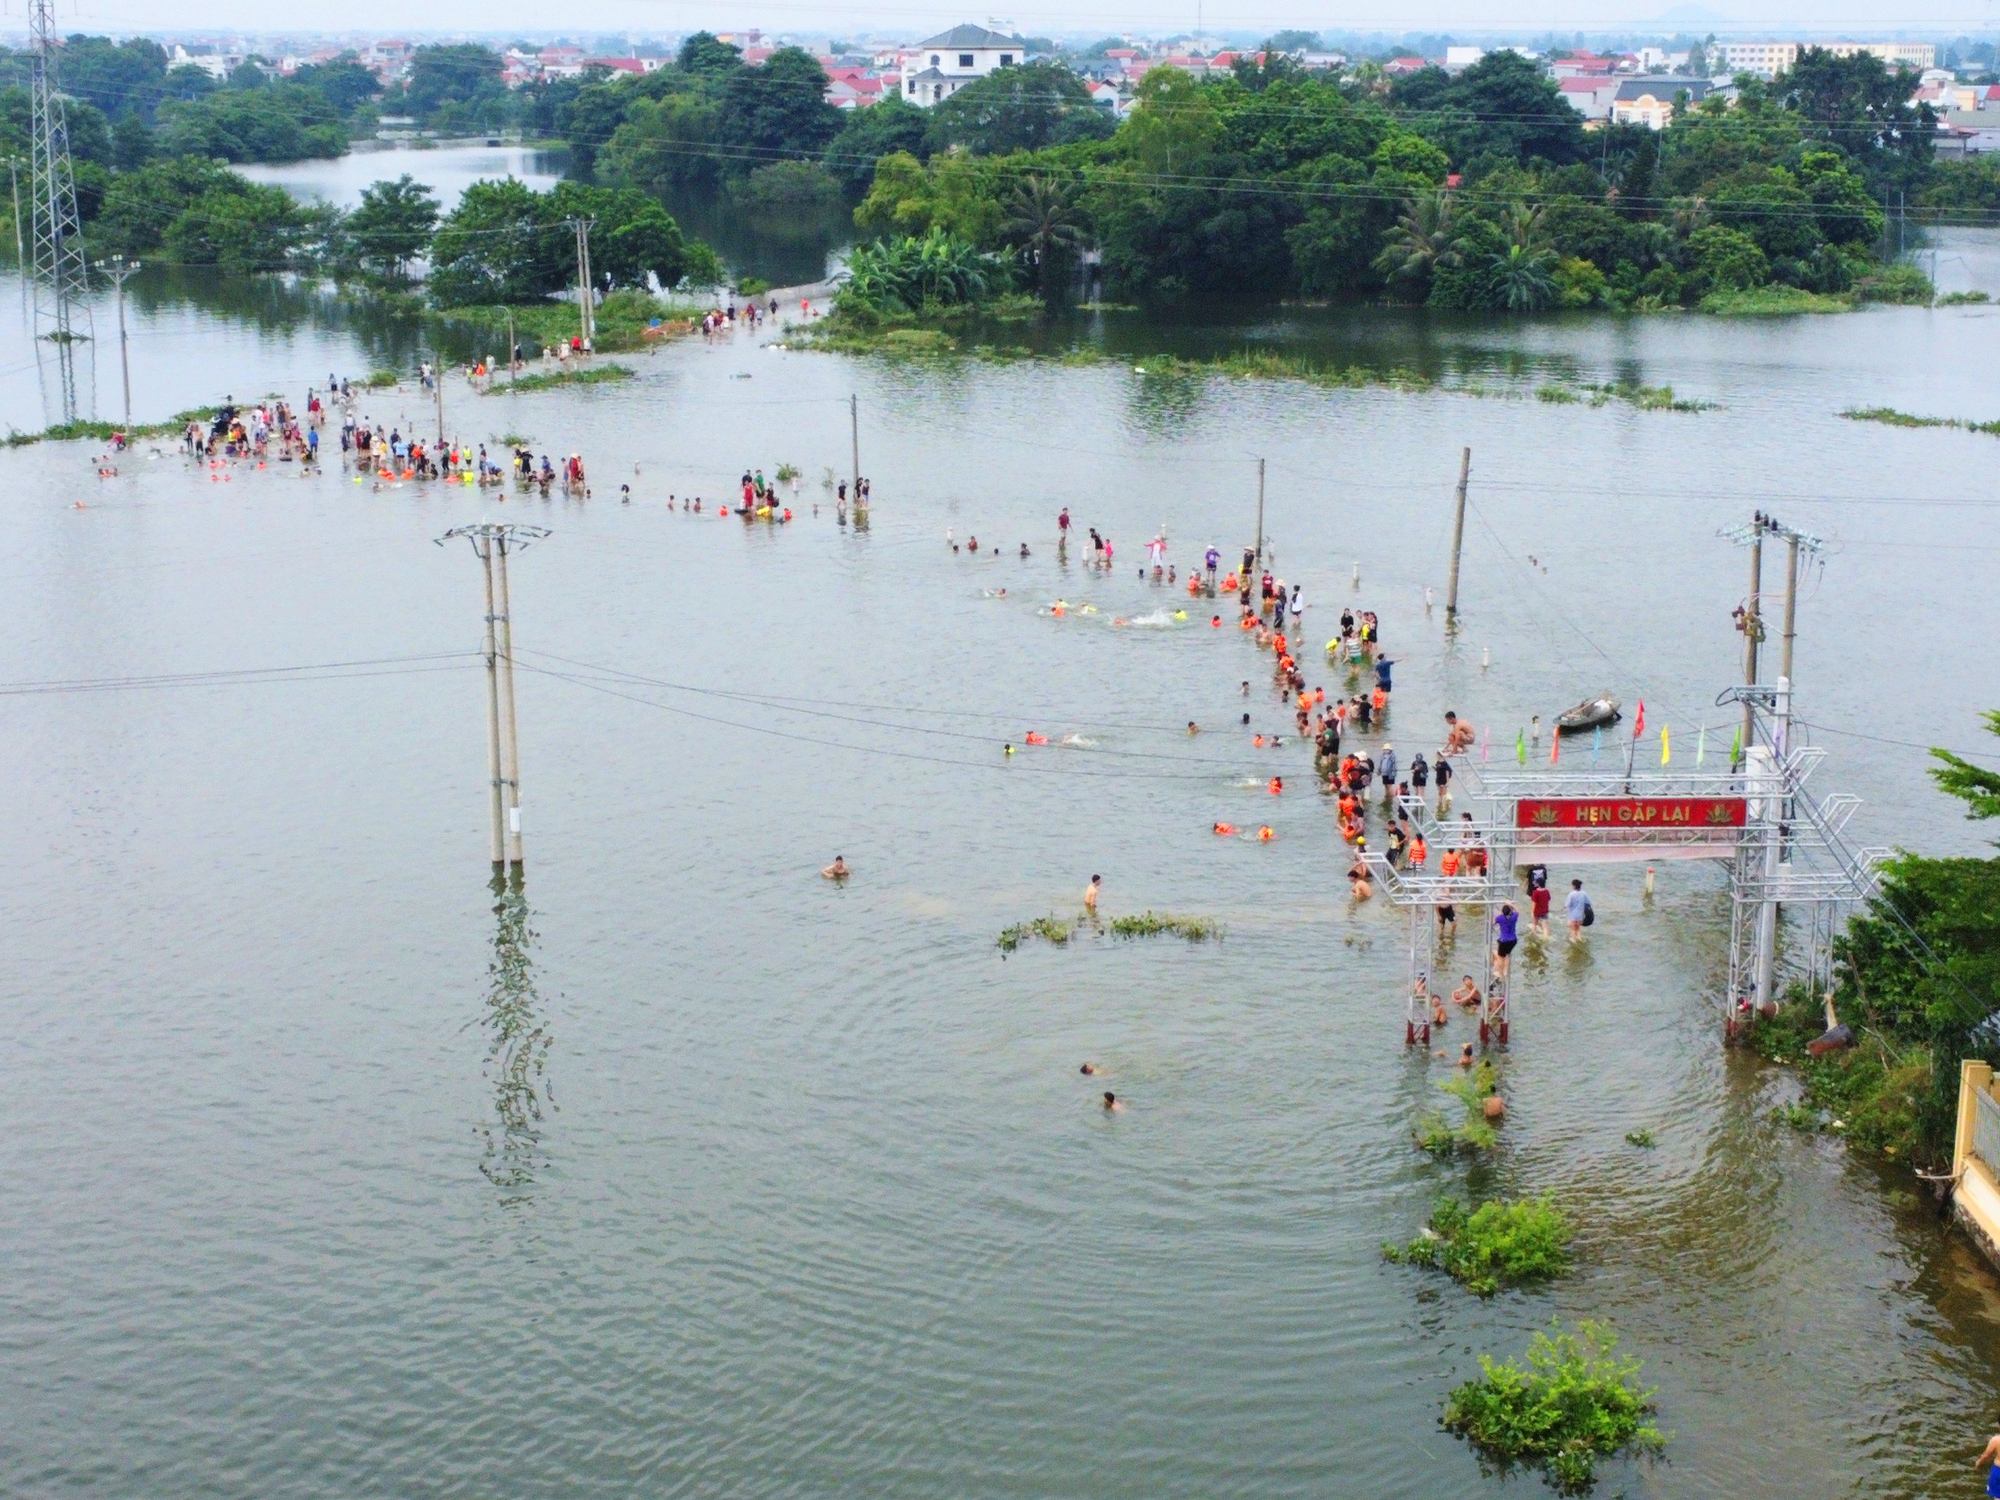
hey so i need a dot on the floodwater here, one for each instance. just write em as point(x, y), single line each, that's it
point(691, 1173)
point(446, 170)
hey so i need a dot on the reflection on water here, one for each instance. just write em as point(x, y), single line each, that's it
point(784, 246)
point(517, 1053)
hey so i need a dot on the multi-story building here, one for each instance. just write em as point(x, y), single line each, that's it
point(1768, 59)
point(947, 62)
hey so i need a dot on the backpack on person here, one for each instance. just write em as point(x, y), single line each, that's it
point(1589, 914)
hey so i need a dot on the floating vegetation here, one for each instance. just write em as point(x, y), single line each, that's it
point(1158, 924)
point(1643, 1138)
point(595, 375)
point(1890, 417)
point(788, 473)
point(1050, 929)
point(1498, 1244)
point(1440, 1136)
point(1576, 1401)
point(1963, 299)
point(381, 380)
point(513, 439)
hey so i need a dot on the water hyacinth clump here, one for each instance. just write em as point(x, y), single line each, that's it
point(1158, 924)
point(1576, 1401)
point(1050, 929)
point(1499, 1244)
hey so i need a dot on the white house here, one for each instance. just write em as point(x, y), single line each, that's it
point(941, 66)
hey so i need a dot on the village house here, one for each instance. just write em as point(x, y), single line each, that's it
point(1650, 101)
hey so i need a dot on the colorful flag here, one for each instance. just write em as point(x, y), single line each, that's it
point(1736, 746)
point(1701, 745)
point(1639, 721)
point(1521, 746)
point(1596, 739)
point(1665, 752)
point(1555, 749)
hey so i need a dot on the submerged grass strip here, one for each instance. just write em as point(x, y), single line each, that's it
point(64, 432)
point(910, 339)
point(1890, 417)
point(559, 380)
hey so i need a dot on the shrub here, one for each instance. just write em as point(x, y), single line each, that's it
point(1579, 283)
point(1576, 1402)
point(1436, 1132)
point(1728, 258)
point(1900, 284)
point(1155, 924)
point(1498, 1244)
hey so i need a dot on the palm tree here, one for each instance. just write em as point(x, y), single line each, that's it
point(1421, 240)
point(1524, 273)
point(1042, 219)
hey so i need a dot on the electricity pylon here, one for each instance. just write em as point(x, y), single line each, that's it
point(61, 279)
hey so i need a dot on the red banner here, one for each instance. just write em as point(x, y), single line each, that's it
point(1678, 814)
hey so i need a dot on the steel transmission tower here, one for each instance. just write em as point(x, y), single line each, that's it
point(61, 279)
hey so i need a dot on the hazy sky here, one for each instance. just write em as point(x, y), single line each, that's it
point(914, 18)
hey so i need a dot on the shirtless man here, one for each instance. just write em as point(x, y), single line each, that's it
point(1090, 892)
point(1467, 993)
point(837, 870)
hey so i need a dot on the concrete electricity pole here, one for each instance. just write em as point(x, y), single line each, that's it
point(437, 389)
point(120, 271)
point(585, 301)
point(854, 442)
point(1457, 541)
point(1260, 513)
point(491, 542)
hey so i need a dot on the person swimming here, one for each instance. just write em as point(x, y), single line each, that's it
point(837, 870)
point(1111, 1104)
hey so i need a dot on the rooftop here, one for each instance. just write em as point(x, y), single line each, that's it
point(971, 36)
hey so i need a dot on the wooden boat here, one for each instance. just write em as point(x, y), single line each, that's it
point(1592, 713)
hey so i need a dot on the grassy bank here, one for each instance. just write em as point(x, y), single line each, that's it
point(1889, 416)
point(1775, 301)
point(957, 335)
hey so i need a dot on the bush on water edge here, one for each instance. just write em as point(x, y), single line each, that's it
point(1890, 417)
point(1575, 1402)
point(1500, 1243)
point(594, 375)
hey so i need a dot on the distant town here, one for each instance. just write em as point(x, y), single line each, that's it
point(1627, 82)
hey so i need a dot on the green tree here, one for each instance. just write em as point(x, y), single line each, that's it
point(1728, 258)
point(777, 110)
point(139, 205)
point(1026, 108)
point(239, 229)
point(632, 239)
point(131, 142)
point(501, 244)
point(702, 56)
point(1976, 786)
point(1502, 105)
point(392, 225)
point(1522, 275)
point(451, 74)
point(119, 78)
point(870, 134)
point(343, 83)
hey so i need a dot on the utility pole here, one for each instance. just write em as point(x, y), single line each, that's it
point(437, 389)
point(511, 346)
point(1260, 514)
point(585, 303)
point(120, 271)
point(1753, 628)
point(854, 440)
point(1457, 542)
point(491, 542)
